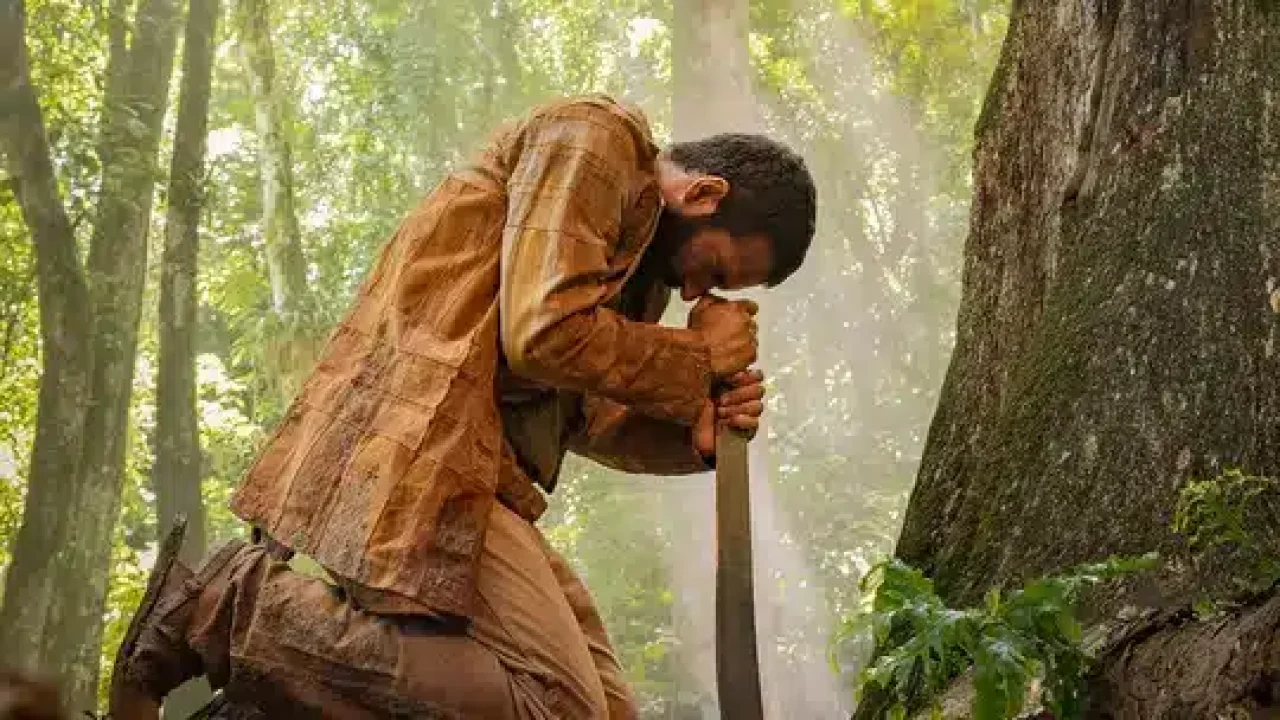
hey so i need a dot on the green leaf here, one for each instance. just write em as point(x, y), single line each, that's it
point(1001, 677)
point(1013, 638)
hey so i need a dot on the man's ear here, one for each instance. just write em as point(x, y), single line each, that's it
point(703, 196)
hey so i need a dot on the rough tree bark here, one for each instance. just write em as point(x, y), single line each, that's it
point(65, 329)
point(1119, 332)
point(117, 23)
point(54, 600)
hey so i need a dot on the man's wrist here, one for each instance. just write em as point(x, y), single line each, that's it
point(695, 344)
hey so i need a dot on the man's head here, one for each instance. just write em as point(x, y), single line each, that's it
point(739, 212)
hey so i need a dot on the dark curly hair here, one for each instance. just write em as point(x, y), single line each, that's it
point(770, 192)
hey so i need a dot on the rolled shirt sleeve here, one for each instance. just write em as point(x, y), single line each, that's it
point(619, 437)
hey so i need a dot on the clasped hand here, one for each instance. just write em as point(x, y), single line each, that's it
point(729, 329)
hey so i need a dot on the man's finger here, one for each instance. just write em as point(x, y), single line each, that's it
point(726, 391)
point(750, 391)
point(740, 395)
point(744, 422)
point(705, 301)
point(754, 407)
point(746, 377)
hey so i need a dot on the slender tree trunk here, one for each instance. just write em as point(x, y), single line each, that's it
point(54, 599)
point(286, 265)
point(1119, 332)
point(294, 348)
point(176, 475)
point(117, 56)
point(65, 331)
point(506, 87)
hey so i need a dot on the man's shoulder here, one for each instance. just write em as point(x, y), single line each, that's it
point(624, 114)
point(594, 102)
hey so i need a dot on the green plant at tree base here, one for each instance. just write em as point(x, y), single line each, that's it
point(1237, 512)
point(1029, 635)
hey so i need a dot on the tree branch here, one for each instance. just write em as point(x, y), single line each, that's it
point(26, 145)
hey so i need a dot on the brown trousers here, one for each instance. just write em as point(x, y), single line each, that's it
point(285, 642)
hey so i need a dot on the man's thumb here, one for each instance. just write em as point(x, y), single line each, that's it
point(705, 300)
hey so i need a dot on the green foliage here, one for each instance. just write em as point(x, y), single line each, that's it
point(1014, 641)
point(228, 438)
point(938, 54)
point(19, 366)
point(1236, 512)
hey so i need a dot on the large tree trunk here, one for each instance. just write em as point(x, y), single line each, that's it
point(117, 273)
point(176, 476)
point(65, 329)
point(54, 600)
point(1119, 332)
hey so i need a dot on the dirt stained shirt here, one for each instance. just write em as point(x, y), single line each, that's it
point(491, 336)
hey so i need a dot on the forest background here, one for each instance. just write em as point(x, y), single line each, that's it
point(232, 248)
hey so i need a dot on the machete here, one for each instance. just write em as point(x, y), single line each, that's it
point(737, 667)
